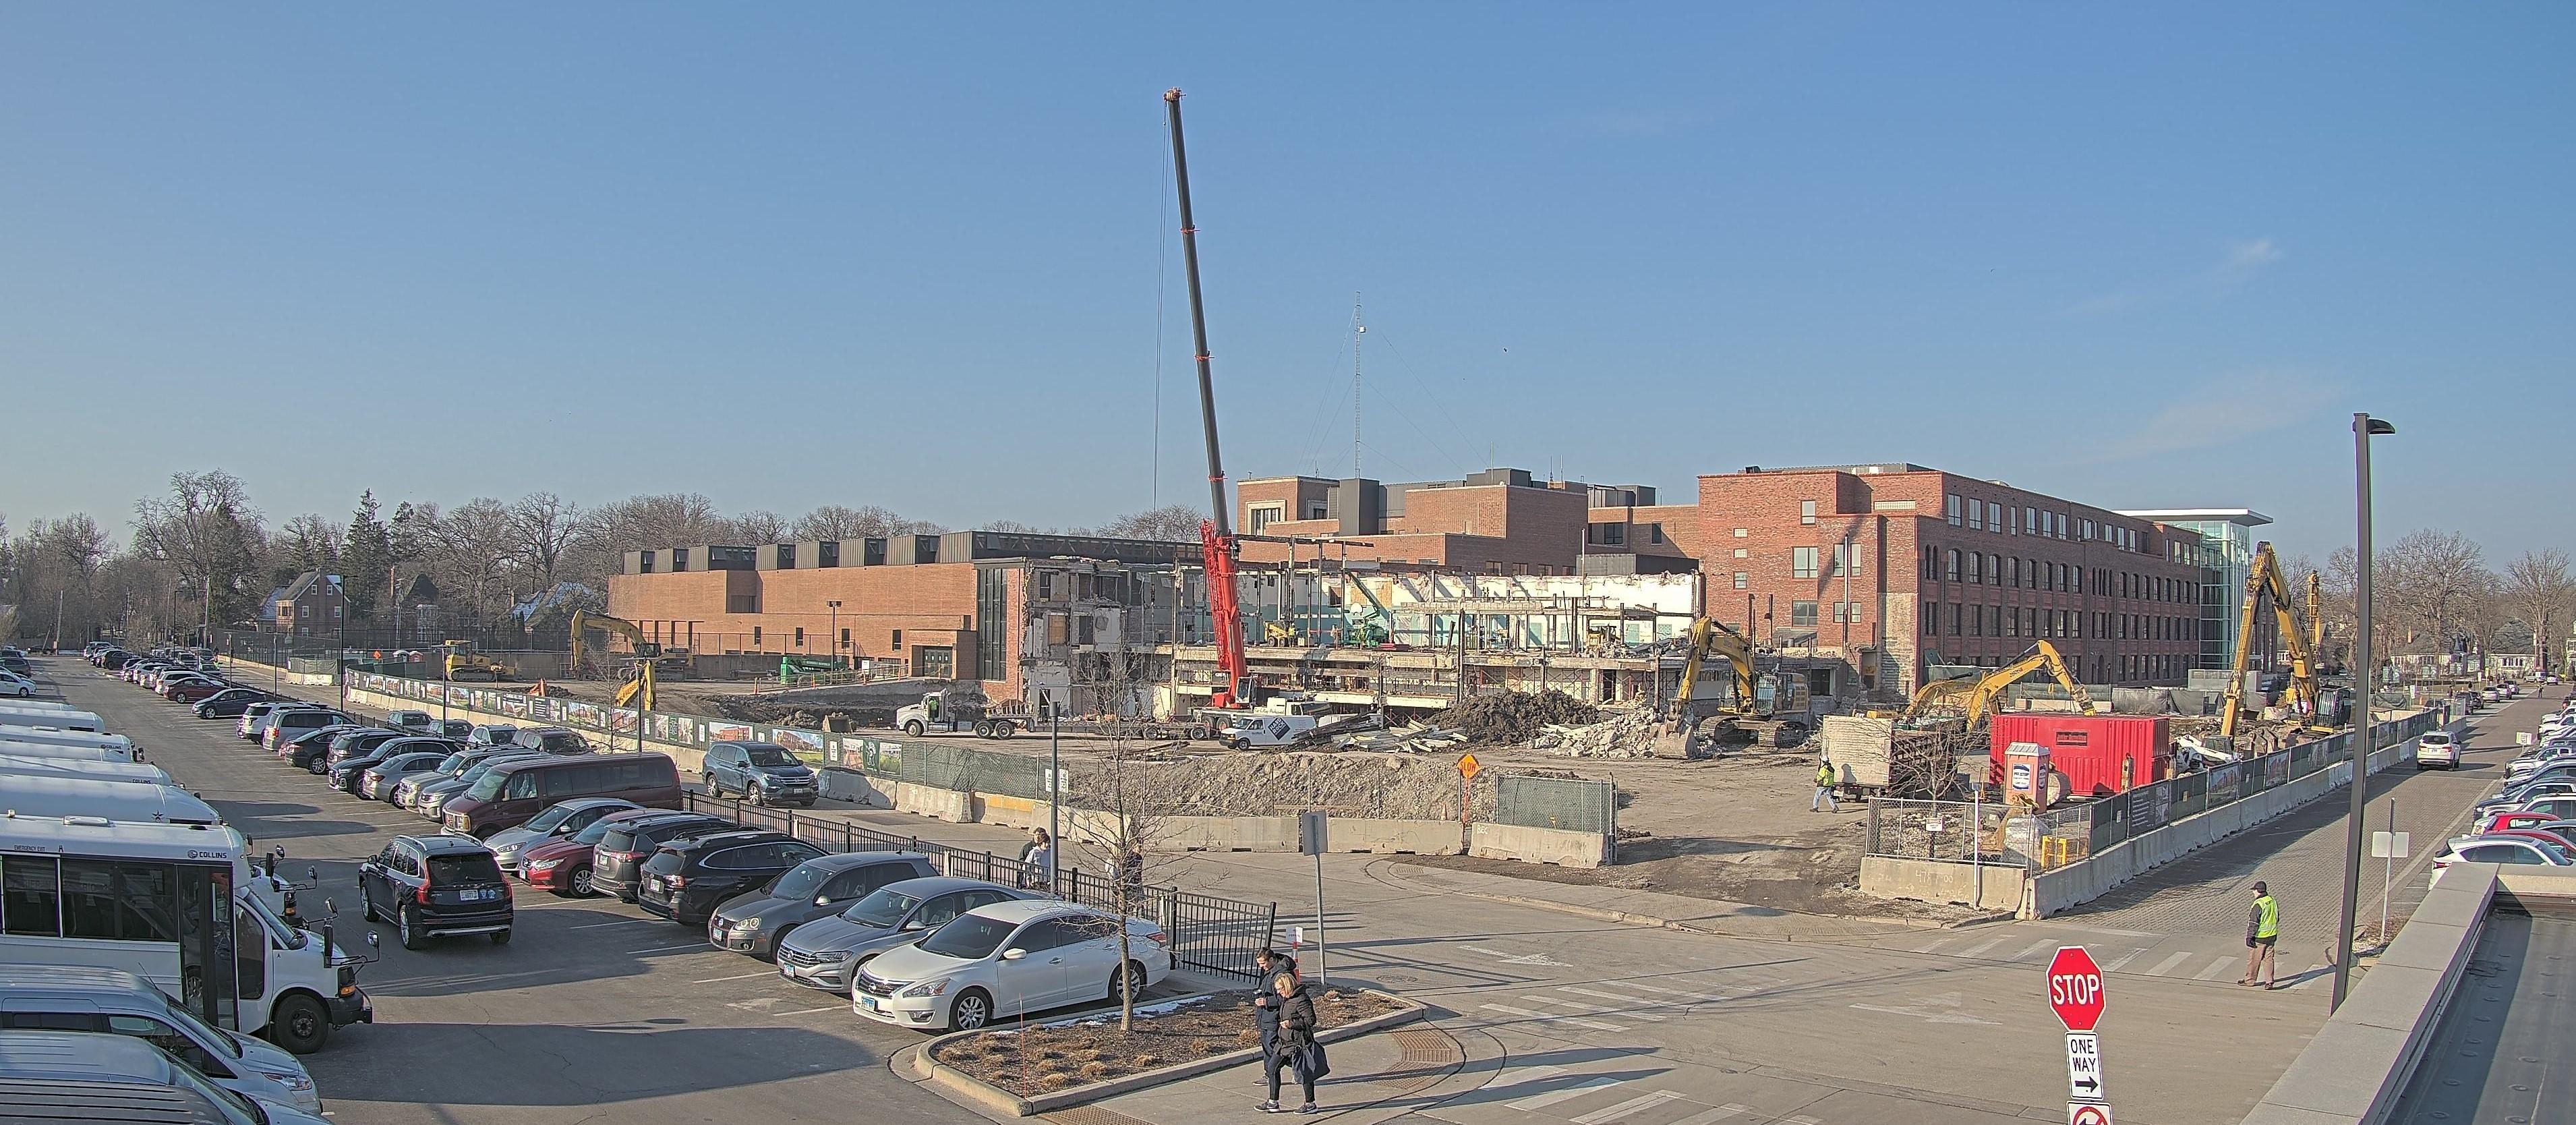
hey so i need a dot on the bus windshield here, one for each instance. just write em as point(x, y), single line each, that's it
point(286, 935)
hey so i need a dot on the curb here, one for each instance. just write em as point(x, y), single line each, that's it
point(1003, 1101)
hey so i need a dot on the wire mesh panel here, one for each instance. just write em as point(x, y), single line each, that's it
point(1955, 831)
point(1572, 804)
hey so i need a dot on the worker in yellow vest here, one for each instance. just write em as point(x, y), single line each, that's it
point(1824, 801)
point(2262, 931)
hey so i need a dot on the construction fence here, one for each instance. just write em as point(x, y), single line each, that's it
point(1939, 830)
point(1571, 804)
point(1208, 933)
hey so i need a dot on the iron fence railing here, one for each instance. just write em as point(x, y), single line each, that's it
point(2060, 836)
point(1209, 933)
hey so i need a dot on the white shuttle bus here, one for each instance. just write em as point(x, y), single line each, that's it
point(118, 801)
point(39, 765)
point(19, 713)
point(100, 747)
point(169, 903)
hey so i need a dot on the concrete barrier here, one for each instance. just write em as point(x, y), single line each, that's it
point(951, 805)
point(2053, 892)
point(1396, 837)
point(2001, 886)
point(2357, 1066)
point(1539, 845)
point(854, 787)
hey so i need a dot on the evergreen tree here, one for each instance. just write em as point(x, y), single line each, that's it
point(367, 559)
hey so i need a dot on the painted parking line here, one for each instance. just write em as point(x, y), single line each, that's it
point(1706, 1116)
point(745, 976)
point(1596, 1025)
point(2166, 965)
point(697, 945)
point(1632, 1106)
point(1542, 1101)
point(618, 922)
point(811, 1011)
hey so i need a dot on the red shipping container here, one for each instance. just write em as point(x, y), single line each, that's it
point(2099, 754)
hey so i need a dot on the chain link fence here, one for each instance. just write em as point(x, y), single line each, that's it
point(1572, 804)
point(2072, 833)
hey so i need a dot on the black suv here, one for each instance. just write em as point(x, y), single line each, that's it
point(554, 740)
point(763, 772)
point(624, 849)
point(436, 886)
point(343, 746)
point(690, 877)
point(822, 886)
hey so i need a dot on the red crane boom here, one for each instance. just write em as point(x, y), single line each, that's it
point(1216, 536)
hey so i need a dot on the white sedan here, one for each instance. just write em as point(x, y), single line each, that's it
point(2503, 849)
point(1008, 959)
point(13, 684)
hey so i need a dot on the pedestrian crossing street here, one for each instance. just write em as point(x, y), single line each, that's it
point(2121, 952)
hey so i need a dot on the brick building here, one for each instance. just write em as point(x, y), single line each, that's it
point(1500, 521)
point(1007, 609)
point(311, 606)
point(1946, 571)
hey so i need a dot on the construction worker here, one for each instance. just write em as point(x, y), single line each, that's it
point(1824, 801)
point(2262, 931)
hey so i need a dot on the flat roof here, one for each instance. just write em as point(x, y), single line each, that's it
point(2506, 1034)
point(2245, 516)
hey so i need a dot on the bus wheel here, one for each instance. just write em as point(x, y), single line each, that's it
point(299, 1024)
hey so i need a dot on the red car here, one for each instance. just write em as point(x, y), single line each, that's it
point(193, 691)
point(562, 867)
point(2508, 821)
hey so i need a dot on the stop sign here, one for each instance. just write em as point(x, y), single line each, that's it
point(2075, 988)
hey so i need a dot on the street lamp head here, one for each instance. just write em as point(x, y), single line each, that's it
point(2372, 427)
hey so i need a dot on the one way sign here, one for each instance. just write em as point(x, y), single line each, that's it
point(2084, 1066)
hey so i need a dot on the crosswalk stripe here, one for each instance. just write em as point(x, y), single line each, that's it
point(1616, 998)
point(2166, 965)
point(1631, 1106)
point(1980, 947)
point(1708, 996)
point(1935, 947)
point(1522, 1076)
point(2036, 946)
point(2115, 964)
point(1706, 1116)
point(1541, 1101)
point(2216, 969)
point(1593, 1024)
point(1525, 1013)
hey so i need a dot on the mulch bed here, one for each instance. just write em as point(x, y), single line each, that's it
point(1044, 1060)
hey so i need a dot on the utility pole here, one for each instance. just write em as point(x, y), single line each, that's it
point(1357, 330)
point(58, 621)
point(2363, 428)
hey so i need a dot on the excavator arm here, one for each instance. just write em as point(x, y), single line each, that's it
point(1712, 637)
point(2265, 582)
point(638, 691)
point(1975, 696)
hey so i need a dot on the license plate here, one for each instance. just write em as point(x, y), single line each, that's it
point(870, 1003)
point(485, 895)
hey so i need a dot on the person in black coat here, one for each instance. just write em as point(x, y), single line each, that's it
point(1265, 1011)
point(1296, 1041)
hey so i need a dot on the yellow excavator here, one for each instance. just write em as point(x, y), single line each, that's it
point(1710, 639)
point(2264, 582)
point(1974, 697)
point(460, 662)
point(648, 655)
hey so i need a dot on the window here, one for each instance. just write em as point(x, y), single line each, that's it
point(894, 641)
point(1976, 621)
point(1314, 511)
point(1802, 564)
point(1994, 570)
point(1654, 533)
point(1740, 578)
point(1046, 586)
point(1742, 532)
point(2007, 622)
point(1976, 567)
point(755, 636)
point(1976, 515)
point(1806, 511)
point(845, 638)
point(1263, 515)
point(1606, 534)
point(2030, 520)
point(1802, 613)
point(1743, 553)
point(1847, 552)
point(1994, 517)
point(1847, 613)
point(30, 896)
point(1950, 508)
point(2012, 573)
point(935, 662)
point(800, 636)
point(1950, 564)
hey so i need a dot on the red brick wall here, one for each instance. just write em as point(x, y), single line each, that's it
point(1294, 495)
point(932, 604)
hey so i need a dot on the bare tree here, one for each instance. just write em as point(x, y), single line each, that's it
point(541, 527)
point(2539, 593)
point(309, 542)
point(53, 574)
point(208, 533)
point(469, 551)
point(1013, 526)
point(1172, 523)
point(2432, 582)
point(757, 527)
point(1124, 810)
point(835, 521)
point(658, 522)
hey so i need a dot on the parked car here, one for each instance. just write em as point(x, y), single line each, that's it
point(283, 725)
point(308, 751)
point(492, 735)
point(430, 800)
point(16, 686)
point(826, 953)
point(562, 865)
point(255, 718)
point(198, 692)
point(689, 877)
point(229, 703)
point(553, 740)
point(93, 1076)
point(454, 728)
point(407, 796)
point(83, 998)
point(2521, 796)
point(624, 849)
point(818, 888)
point(1008, 959)
point(763, 772)
point(348, 744)
point(417, 722)
point(2437, 748)
point(436, 886)
point(555, 822)
point(512, 793)
point(2499, 849)
point(376, 780)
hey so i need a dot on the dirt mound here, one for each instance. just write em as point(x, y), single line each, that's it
point(1347, 783)
point(1517, 717)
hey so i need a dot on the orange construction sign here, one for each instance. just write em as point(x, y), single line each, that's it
point(1467, 766)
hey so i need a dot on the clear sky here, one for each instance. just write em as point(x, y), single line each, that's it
point(916, 255)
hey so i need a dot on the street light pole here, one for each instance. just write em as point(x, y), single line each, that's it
point(2364, 427)
point(836, 630)
point(1055, 791)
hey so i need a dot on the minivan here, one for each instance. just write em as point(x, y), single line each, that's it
point(83, 998)
point(284, 725)
point(513, 792)
point(100, 1077)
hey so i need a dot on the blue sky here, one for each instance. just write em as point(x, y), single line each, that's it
point(2136, 256)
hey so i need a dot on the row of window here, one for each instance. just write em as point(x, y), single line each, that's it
point(1963, 620)
point(41, 896)
point(1979, 568)
point(2002, 519)
point(1802, 560)
point(1616, 534)
point(1804, 613)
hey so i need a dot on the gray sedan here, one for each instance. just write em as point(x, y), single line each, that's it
point(559, 820)
point(827, 952)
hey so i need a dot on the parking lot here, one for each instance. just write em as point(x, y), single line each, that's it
point(593, 1006)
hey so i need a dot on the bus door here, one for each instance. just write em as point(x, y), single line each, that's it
point(208, 963)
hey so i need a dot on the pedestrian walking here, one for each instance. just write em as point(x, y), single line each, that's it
point(1297, 1042)
point(1265, 1012)
point(1824, 801)
point(1035, 862)
point(2262, 932)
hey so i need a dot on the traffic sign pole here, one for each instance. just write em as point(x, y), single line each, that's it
point(2075, 993)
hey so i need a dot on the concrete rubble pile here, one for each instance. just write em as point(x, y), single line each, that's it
point(1415, 739)
point(1627, 734)
point(1512, 717)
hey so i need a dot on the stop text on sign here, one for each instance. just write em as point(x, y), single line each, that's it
point(2080, 990)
